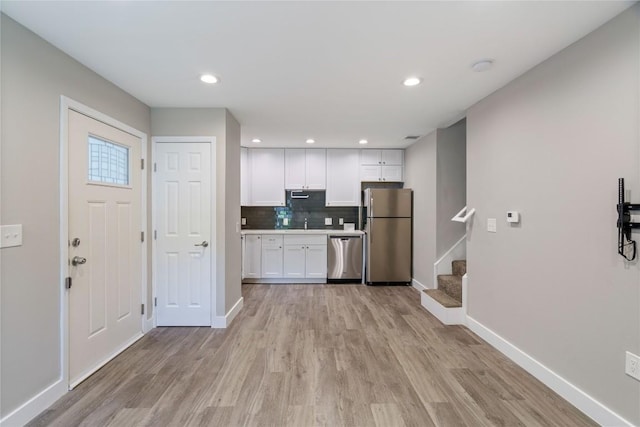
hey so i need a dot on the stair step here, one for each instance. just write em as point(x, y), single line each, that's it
point(442, 298)
point(459, 267)
point(451, 285)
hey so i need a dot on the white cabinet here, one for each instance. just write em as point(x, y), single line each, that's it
point(245, 177)
point(382, 157)
point(294, 261)
point(305, 169)
point(252, 256)
point(316, 261)
point(305, 257)
point(343, 181)
point(271, 256)
point(381, 165)
point(267, 176)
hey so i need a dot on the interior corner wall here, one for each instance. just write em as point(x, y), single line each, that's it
point(420, 175)
point(233, 256)
point(213, 122)
point(551, 145)
point(451, 185)
point(34, 75)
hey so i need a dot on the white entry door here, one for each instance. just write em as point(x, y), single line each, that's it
point(183, 226)
point(105, 248)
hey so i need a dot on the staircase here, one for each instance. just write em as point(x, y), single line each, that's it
point(446, 302)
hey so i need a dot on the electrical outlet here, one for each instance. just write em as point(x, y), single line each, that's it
point(328, 221)
point(285, 221)
point(340, 221)
point(10, 236)
point(632, 365)
point(243, 221)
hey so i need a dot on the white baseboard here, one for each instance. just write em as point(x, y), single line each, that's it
point(34, 406)
point(448, 316)
point(222, 322)
point(149, 324)
point(578, 398)
point(419, 286)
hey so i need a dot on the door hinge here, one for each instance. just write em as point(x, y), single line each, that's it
point(155, 234)
point(67, 283)
point(155, 167)
point(155, 301)
point(141, 308)
point(142, 236)
point(141, 163)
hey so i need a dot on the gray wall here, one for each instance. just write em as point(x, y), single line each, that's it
point(233, 248)
point(220, 123)
point(420, 175)
point(34, 74)
point(451, 185)
point(551, 145)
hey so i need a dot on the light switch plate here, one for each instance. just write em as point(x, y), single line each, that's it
point(11, 235)
point(492, 225)
point(328, 221)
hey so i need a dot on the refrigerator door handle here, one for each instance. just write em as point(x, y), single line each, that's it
point(370, 227)
point(370, 214)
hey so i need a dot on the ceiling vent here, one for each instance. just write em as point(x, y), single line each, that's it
point(411, 137)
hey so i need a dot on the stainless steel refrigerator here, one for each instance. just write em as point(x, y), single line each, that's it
point(389, 235)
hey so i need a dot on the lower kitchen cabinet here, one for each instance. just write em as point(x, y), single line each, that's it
point(294, 261)
point(316, 261)
point(252, 256)
point(305, 257)
point(290, 258)
point(272, 257)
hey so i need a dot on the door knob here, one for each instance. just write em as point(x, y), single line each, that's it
point(76, 260)
point(204, 244)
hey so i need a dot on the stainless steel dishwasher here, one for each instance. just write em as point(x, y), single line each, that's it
point(344, 258)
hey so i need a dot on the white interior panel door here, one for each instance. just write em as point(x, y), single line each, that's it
point(105, 249)
point(183, 209)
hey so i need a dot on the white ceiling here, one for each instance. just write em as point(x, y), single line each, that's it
point(331, 71)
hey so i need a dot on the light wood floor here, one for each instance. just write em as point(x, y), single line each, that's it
point(304, 355)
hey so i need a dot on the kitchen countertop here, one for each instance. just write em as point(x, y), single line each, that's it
point(311, 232)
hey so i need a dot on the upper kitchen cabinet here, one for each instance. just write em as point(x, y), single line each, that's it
point(382, 157)
point(305, 169)
point(245, 177)
point(343, 182)
point(267, 176)
point(381, 165)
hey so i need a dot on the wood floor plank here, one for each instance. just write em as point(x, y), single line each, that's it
point(315, 355)
point(387, 415)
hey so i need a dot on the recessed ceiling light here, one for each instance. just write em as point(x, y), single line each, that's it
point(412, 81)
point(256, 140)
point(310, 141)
point(209, 78)
point(363, 141)
point(482, 65)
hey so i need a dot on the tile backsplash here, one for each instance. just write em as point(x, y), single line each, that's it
point(295, 212)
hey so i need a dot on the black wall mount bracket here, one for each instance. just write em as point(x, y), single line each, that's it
point(626, 246)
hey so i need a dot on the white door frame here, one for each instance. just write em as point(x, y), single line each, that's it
point(67, 104)
point(154, 250)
